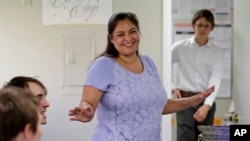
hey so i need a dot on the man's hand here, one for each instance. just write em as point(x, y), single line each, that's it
point(201, 114)
point(176, 93)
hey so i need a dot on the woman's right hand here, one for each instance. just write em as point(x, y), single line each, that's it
point(84, 112)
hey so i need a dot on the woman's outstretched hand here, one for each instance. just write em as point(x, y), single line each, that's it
point(84, 112)
point(196, 99)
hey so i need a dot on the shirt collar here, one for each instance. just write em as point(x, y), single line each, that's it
point(192, 41)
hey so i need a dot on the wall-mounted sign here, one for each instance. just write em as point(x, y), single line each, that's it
point(76, 11)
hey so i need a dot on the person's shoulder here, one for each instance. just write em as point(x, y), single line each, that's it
point(182, 42)
point(145, 57)
point(215, 47)
point(214, 44)
point(102, 61)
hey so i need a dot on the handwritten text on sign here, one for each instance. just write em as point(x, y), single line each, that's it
point(76, 11)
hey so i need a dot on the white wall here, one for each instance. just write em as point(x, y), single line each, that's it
point(241, 59)
point(29, 48)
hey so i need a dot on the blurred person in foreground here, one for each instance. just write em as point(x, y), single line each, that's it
point(19, 116)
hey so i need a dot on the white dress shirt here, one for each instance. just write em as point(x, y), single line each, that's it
point(199, 67)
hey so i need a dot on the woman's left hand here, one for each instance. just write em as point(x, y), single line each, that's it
point(197, 99)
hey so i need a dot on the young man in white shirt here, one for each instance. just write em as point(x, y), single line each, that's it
point(200, 63)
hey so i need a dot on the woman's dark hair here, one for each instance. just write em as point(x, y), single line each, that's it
point(112, 23)
point(204, 13)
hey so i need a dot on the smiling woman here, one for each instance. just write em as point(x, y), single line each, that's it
point(125, 38)
point(125, 89)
